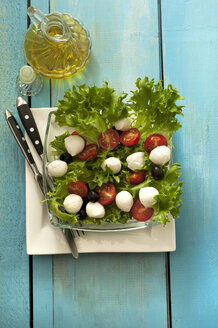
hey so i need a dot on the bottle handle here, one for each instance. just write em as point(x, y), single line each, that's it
point(35, 15)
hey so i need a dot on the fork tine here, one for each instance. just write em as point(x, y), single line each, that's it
point(78, 233)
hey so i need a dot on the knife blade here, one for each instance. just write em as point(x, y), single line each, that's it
point(20, 139)
point(29, 124)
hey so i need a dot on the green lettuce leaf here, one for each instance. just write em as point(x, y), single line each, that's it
point(91, 110)
point(168, 201)
point(154, 108)
point(58, 143)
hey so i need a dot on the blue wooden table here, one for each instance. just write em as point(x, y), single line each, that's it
point(176, 41)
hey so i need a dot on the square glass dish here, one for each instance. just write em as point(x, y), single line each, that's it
point(52, 130)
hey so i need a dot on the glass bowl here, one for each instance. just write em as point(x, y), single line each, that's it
point(52, 130)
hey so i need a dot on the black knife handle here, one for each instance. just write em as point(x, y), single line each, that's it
point(19, 137)
point(30, 126)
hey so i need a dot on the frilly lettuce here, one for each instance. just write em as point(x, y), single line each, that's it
point(91, 111)
point(154, 108)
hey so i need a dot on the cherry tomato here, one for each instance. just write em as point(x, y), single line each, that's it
point(78, 188)
point(130, 138)
point(109, 139)
point(140, 212)
point(75, 133)
point(89, 152)
point(137, 177)
point(107, 193)
point(153, 141)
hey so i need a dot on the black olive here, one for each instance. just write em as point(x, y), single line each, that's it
point(85, 201)
point(119, 131)
point(66, 157)
point(93, 196)
point(157, 173)
point(82, 214)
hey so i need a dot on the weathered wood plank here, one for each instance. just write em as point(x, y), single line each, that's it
point(124, 43)
point(110, 290)
point(116, 290)
point(190, 30)
point(14, 263)
point(42, 292)
point(42, 265)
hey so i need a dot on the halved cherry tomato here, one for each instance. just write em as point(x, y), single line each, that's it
point(107, 193)
point(89, 152)
point(137, 177)
point(78, 188)
point(153, 141)
point(75, 133)
point(140, 212)
point(130, 138)
point(109, 139)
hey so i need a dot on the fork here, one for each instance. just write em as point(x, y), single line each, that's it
point(19, 137)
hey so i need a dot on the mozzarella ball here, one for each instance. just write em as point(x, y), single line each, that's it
point(146, 196)
point(136, 161)
point(95, 210)
point(74, 144)
point(73, 203)
point(160, 155)
point(124, 201)
point(123, 124)
point(113, 163)
point(57, 168)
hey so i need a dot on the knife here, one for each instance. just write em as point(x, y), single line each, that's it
point(29, 124)
point(20, 139)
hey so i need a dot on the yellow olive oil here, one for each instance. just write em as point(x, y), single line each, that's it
point(55, 51)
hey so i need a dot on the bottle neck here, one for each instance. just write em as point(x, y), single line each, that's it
point(55, 29)
point(52, 26)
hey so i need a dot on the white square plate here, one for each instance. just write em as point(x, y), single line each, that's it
point(43, 238)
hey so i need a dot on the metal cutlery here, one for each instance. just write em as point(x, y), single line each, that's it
point(20, 139)
point(30, 127)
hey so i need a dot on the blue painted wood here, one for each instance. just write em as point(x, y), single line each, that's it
point(190, 30)
point(124, 43)
point(112, 290)
point(14, 263)
point(42, 265)
point(42, 292)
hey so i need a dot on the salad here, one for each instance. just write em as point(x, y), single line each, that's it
point(116, 165)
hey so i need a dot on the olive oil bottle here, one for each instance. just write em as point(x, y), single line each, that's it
point(56, 45)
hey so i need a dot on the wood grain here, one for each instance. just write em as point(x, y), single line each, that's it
point(42, 265)
point(112, 290)
point(14, 263)
point(124, 43)
point(190, 35)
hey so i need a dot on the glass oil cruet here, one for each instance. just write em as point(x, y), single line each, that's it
point(56, 45)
